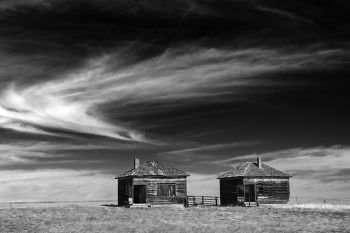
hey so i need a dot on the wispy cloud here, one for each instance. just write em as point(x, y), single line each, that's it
point(203, 151)
point(21, 153)
point(13, 4)
point(314, 159)
point(7, 123)
point(29, 152)
point(283, 13)
point(72, 102)
point(292, 153)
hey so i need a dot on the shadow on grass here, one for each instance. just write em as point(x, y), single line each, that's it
point(110, 205)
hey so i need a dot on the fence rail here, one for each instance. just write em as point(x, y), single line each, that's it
point(203, 200)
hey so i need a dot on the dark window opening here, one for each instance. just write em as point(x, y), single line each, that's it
point(166, 190)
point(261, 191)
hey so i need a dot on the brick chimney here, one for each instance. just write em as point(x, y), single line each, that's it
point(258, 162)
point(136, 163)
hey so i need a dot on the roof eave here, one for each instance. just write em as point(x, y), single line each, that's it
point(226, 177)
point(232, 177)
point(266, 176)
point(153, 176)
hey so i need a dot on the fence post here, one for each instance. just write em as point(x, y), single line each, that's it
point(202, 200)
point(216, 201)
point(194, 201)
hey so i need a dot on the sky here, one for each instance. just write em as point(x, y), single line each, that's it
point(200, 85)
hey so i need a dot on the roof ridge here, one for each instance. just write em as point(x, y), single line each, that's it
point(153, 168)
point(250, 169)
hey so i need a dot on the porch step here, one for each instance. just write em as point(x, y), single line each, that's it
point(143, 205)
point(248, 204)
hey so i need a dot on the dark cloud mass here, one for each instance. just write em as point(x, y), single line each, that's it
point(87, 85)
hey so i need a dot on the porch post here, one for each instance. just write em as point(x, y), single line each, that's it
point(256, 195)
point(243, 193)
point(132, 190)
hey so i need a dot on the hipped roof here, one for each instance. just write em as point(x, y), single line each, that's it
point(153, 168)
point(251, 169)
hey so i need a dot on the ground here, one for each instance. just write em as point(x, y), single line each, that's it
point(92, 217)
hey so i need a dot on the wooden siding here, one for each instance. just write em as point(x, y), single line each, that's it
point(228, 191)
point(273, 190)
point(152, 188)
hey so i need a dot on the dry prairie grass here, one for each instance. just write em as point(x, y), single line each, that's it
point(91, 217)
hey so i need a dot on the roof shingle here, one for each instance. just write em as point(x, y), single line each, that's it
point(153, 168)
point(251, 169)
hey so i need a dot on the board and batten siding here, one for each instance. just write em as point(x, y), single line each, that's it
point(270, 190)
point(152, 188)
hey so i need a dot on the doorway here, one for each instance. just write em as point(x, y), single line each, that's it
point(249, 193)
point(139, 193)
point(246, 193)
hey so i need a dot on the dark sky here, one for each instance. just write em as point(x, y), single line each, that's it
point(198, 84)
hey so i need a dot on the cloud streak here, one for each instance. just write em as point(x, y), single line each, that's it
point(204, 151)
point(72, 102)
point(54, 153)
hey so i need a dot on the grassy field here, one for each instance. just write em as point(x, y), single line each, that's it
point(91, 217)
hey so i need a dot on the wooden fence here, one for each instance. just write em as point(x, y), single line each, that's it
point(203, 200)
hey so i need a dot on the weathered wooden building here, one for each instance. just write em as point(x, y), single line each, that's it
point(254, 182)
point(152, 183)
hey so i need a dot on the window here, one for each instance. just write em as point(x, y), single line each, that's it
point(261, 190)
point(166, 190)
